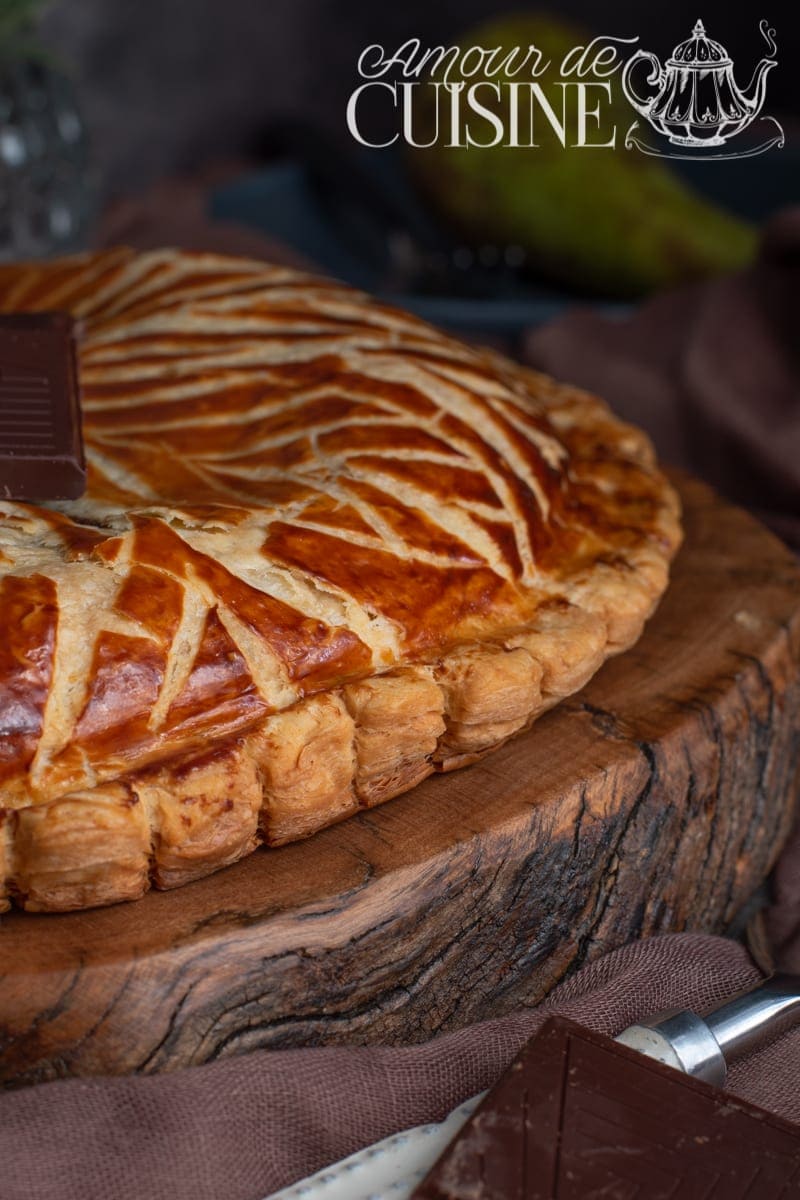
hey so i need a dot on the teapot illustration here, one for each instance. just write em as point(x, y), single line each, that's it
point(697, 102)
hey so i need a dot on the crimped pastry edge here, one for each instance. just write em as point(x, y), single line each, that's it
point(288, 777)
point(335, 752)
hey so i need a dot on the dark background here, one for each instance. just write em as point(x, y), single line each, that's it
point(168, 85)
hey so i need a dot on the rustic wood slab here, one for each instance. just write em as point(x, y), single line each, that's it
point(656, 800)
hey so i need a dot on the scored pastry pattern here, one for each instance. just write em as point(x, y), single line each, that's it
point(325, 550)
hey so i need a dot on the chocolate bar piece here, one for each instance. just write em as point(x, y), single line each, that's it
point(579, 1116)
point(41, 443)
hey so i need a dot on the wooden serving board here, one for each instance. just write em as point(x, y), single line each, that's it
point(655, 800)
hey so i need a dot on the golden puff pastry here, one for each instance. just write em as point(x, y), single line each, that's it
point(325, 551)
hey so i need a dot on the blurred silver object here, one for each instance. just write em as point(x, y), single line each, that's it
point(45, 189)
point(703, 1046)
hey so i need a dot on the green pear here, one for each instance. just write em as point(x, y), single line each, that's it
point(612, 221)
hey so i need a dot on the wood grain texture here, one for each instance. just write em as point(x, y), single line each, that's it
point(654, 800)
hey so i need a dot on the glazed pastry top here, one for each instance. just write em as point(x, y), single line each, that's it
point(291, 486)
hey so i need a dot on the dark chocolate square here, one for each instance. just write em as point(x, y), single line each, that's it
point(578, 1116)
point(41, 442)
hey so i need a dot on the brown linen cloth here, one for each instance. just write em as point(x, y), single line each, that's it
point(174, 213)
point(240, 1128)
point(713, 372)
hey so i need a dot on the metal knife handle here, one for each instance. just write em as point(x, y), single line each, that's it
point(749, 1019)
point(702, 1046)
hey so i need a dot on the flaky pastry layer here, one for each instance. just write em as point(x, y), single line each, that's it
point(326, 550)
